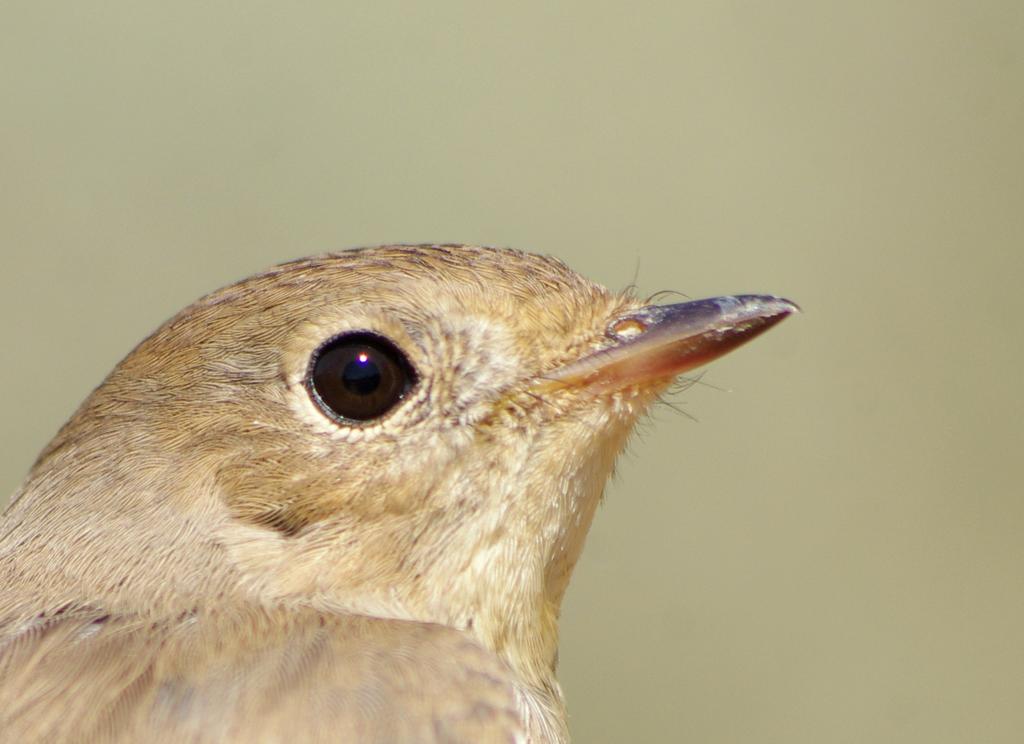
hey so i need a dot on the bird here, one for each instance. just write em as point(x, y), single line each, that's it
point(338, 501)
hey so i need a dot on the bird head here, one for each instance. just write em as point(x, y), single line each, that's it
point(408, 432)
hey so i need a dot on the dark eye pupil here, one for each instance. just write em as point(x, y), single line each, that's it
point(359, 376)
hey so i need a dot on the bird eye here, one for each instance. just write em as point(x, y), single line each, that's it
point(359, 376)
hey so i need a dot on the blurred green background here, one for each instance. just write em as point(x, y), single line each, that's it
point(832, 551)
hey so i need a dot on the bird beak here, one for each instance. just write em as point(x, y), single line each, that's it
point(658, 342)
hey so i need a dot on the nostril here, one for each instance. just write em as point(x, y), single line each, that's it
point(627, 328)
